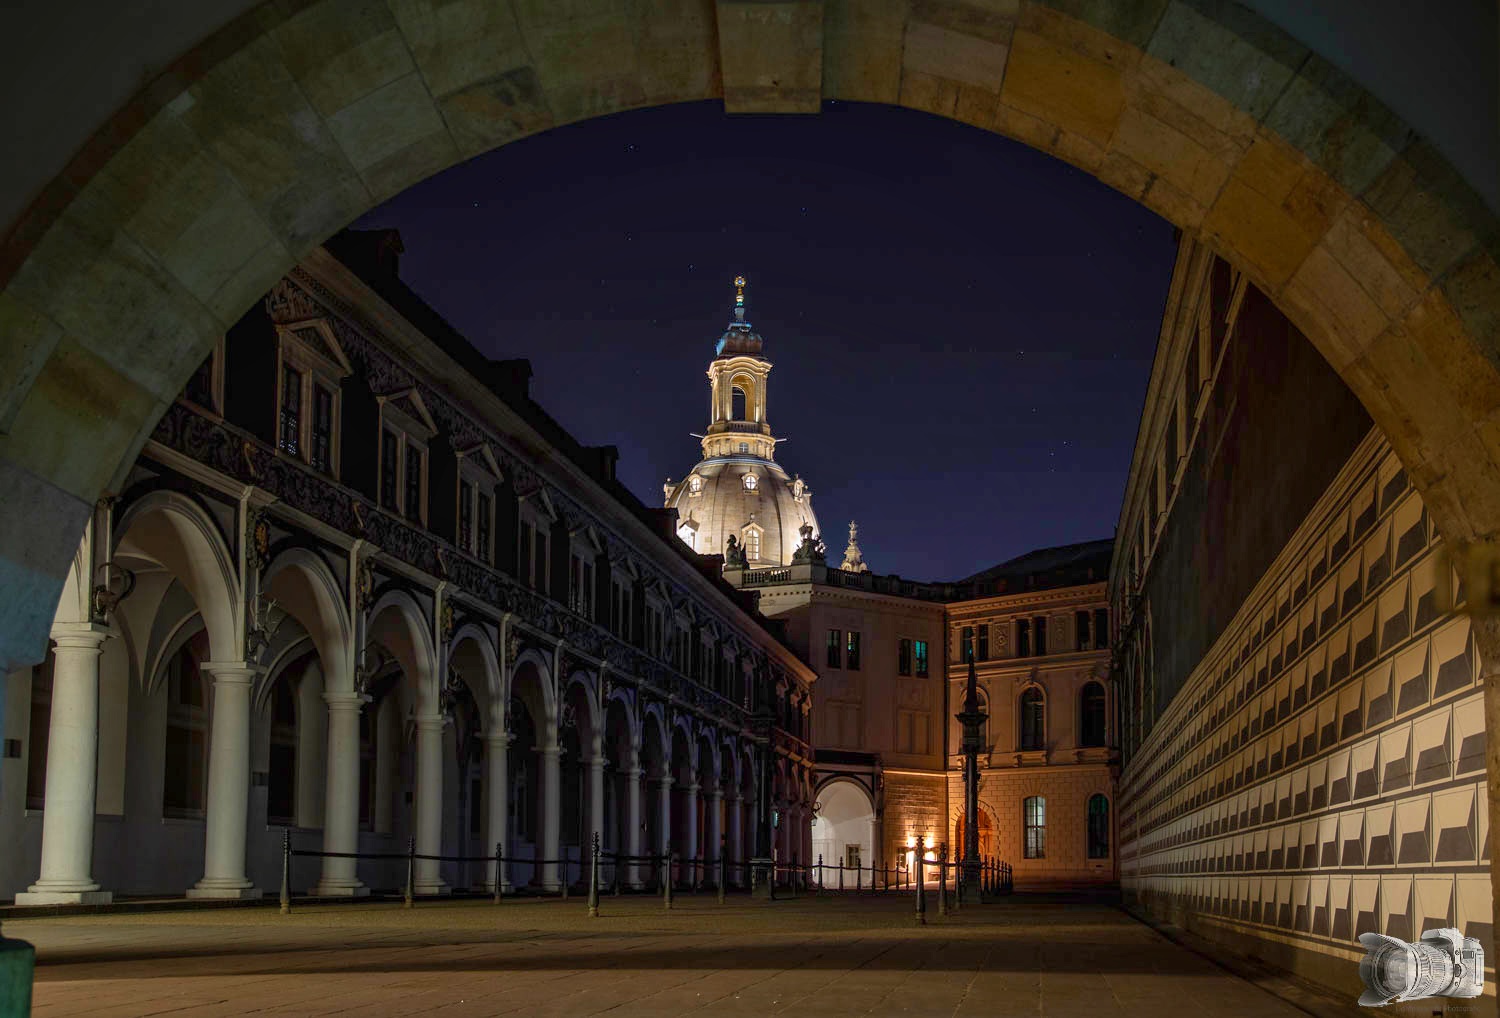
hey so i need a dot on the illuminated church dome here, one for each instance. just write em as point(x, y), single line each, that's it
point(738, 489)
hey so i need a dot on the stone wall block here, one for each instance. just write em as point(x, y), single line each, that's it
point(77, 423)
point(253, 117)
point(1374, 259)
point(677, 48)
point(863, 42)
point(585, 59)
point(114, 299)
point(1433, 214)
point(1230, 50)
point(32, 571)
point(1131, 21)
point(490, 113)
point(394, 136)
point(1056, 83)
point(1335, 306)
point(771, 55)
point(1472, 287)
point(30, 338)
point(341, 51)
point(929, 93)
point(1338, 125)
point(458, 44)
point(937, 50)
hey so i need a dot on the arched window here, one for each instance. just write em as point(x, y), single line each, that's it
point(187, 731)
point(281, 791)
point(1091, 727)
point(1034, 815)
point(737, 406)
point(1098, 827)
point(1033, 719)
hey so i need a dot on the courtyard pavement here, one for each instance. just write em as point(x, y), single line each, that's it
point(809, 957)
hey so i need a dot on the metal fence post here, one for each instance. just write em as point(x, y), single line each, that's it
point(411, 871)
point(667, 882)
point(615, 888)
point(594, 879)
point(921, 889)
point(841, 874)
point(286, 872)
point(723, 871)
point(943, 879)
point(562, 869)
point(499, 868)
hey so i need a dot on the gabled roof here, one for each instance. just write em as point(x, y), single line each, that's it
point(1067, 565)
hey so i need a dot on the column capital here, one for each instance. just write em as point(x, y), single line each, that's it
point(430, 722)
point(501, 738)
point(346, 701)
point(633, 773)
point(692, 788)
point(80, 635)
point(231, 673)
point(552, 750)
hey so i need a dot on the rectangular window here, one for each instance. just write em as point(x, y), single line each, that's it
point(1039, 626)
point(1101, 628)
point(1081, 630)
point(903, 657)
point(539, 563)
point(851, 659)
point(1035, 811)
point(291, 411)
point(835, 648)
point(528, 540)
point(389, 446)
point(1098, 832)
point(466, 515)
point(752, 546)
point(413, 483)
point(919, 651)
point(982, 643)
point(966, 644)
point(482, 543)
point(1023, 637)
point(586, 601)
point(322, 429)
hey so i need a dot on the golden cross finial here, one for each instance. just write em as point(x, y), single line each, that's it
point(739, 291)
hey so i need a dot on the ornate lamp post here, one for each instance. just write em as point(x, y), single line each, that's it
point(973, 719)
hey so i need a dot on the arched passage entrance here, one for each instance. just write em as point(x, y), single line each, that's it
point(283, 127)
point(845, 830)
point(989, 847)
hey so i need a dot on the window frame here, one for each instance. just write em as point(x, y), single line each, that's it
point(904, 656)
point(412, 431)
point(1096, 839)
point(1024, 742)
point(852, 650)
point(326, 369)
point(834, 649)
point(1034, 826)
point(478, 469)
point(215, 361)
point(921, 663)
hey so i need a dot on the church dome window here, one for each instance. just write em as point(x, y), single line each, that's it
point(751, 481)
point(695, 485)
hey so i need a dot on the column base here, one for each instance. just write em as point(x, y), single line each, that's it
point(762, 879)
point(438, 888)
point(39, 895)
point(225, 891)
point(17, 963)
point(340, 890)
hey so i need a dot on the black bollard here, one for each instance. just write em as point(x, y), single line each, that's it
point(286, 872)
point(594, 878)
point(723, 870)
point(562, 871)
point(943, 879)
point(841, 874)
point(667, 884)
point(411, 872)
point(499, 871)
point(820, 872)
point(921, 889)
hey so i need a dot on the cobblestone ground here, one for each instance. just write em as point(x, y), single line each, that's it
point(810, 956)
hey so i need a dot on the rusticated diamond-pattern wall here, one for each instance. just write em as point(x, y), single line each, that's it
point(1322, 772)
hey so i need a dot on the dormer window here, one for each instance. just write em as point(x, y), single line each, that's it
point(405, 429)
point(751, 481)
point(750, 541)
point(695, 486)
point(311, 367)
point(478, 473)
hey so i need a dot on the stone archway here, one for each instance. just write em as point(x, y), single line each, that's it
point(989, 845)
point(289, 123)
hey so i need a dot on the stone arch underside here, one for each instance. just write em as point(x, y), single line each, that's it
point(291, 122)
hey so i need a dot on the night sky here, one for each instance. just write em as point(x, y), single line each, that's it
point(961, 327)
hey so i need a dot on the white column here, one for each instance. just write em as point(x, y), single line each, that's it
point(712, 828)
point(341, 796)
point(632, 844)
point(596, 806)
point(551, 846)
point(497, 757)
point(690, 851)
point(228, 784)
point(72, 772)
point(428, 878)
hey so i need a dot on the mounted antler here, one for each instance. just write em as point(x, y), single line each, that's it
point(106, 599)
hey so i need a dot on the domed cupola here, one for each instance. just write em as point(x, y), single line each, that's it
point(738, 488)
